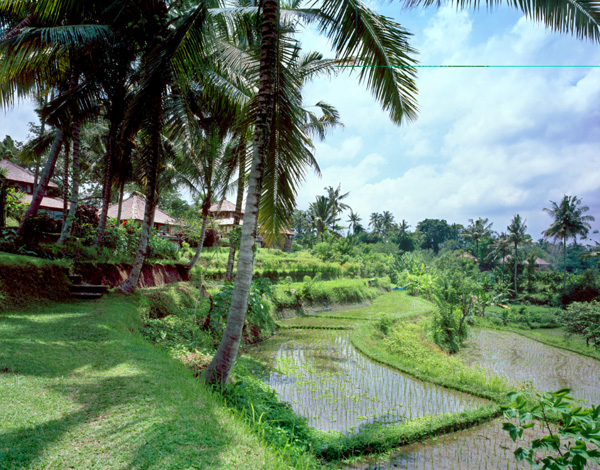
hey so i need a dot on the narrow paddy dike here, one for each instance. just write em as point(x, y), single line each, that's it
point(325, 378)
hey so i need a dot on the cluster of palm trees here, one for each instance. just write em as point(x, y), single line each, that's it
point(569, 221)
point(212, 85)
point(324, 214)
point(208, 85)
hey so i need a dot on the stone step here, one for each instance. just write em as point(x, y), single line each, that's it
point(88, 288)
point(86, 295)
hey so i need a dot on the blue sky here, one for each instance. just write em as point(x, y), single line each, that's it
point(489, 142)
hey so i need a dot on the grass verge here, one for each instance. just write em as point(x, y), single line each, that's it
point(82, 389)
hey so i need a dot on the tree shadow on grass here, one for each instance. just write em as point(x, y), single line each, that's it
point(131, 406)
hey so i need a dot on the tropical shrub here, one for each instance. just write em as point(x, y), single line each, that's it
point(259, 321)
point(583, 319)
point(35, 229)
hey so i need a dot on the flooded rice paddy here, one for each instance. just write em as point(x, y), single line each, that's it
point(326, 380)
point(485, 447)
point(521, 359)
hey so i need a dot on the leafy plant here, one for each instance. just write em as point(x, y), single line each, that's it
point(258, 316)
point(583, 318)
point(566, 445)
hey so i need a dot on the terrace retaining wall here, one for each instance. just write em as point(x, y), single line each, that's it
point(112, 275)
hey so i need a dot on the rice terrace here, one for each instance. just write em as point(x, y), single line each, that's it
point(266, 235)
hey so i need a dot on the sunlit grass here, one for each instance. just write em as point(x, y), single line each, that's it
point(81, 389)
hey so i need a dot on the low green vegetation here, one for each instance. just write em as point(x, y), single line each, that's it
point(82, 389)
point(315, 291)
point(574, 443)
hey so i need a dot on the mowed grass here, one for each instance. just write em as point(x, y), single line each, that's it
point(79, 388)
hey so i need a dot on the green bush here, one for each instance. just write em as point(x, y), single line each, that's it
point(583, 319)
point(259, 321)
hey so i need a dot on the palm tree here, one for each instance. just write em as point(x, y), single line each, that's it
point(388, 224)
point(353, 219)
point(209, 156)
point(517, 235)
point(323, 214)
point(476, 231)
point(498, 248)
point(569, 222)
point(336, 196)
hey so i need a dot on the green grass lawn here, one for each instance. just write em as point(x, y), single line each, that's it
point(81, 389)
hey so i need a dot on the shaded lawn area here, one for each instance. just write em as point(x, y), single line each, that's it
point(79, 388)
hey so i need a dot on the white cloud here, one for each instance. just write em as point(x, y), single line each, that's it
point(489, 142)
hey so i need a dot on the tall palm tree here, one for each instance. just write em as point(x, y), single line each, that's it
point(336, 196)
point(323, 214)
point(353, 219)
point(476, 231)
point(516, 236)
point(171, 39)
point(569, 222)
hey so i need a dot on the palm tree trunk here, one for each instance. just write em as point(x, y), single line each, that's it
point(219, 370)
point(2, 201)
point(129, 284)
point(196, 257)
point(44, 180)
point(565, 263)
point(238, 207)
point(66, 183)
point(106, 189)
point(76, 174)
point(121, 191)
point(516, 257)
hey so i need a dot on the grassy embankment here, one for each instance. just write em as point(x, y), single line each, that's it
point(82, 389)
point(26, 281)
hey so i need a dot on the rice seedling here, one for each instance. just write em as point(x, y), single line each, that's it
point(336, 388)
point(485, 447)
point(522, 360)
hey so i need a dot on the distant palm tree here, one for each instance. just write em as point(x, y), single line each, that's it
point(569, 222)
point(323, 215)
point(354, 220)
point(498, 248)
point(516, 235)
point(336, 196)
point(476, 231)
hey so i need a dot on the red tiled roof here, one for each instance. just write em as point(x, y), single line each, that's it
point(133, 209)
point(19, 174)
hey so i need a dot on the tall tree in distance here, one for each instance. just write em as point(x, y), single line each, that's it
point(569, 222)
point(476, 231)
point(354, 220)
point(516, 236)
